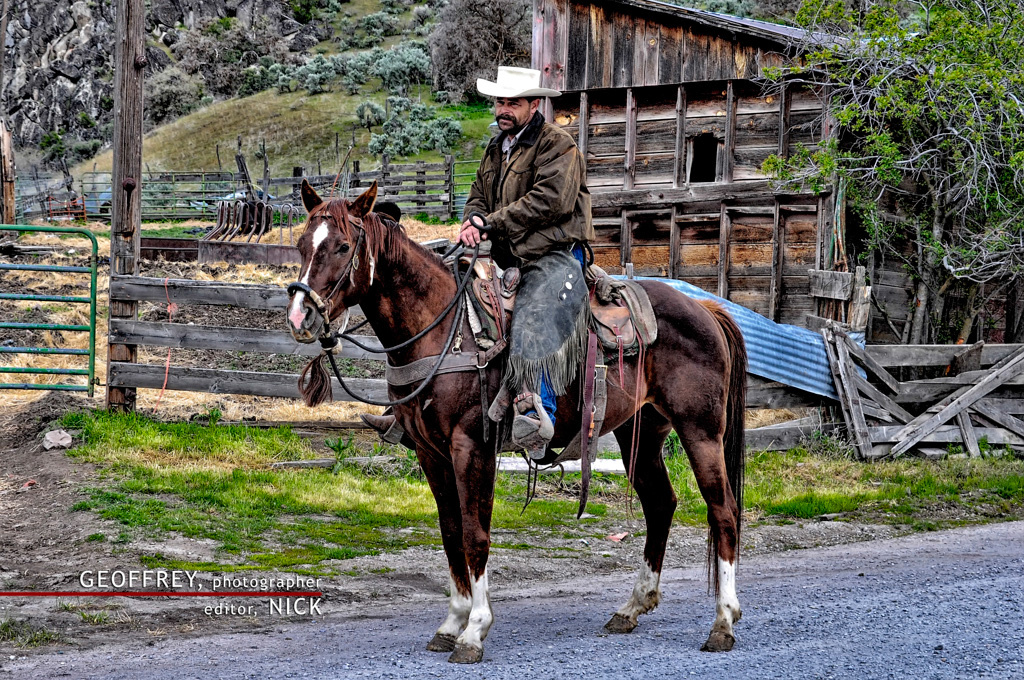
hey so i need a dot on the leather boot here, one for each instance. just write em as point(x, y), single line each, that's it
point(385, 425)
point(531, 431)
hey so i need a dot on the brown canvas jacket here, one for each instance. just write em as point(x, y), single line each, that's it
point(539, 201)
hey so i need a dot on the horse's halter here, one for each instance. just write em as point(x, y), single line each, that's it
point(321, 305)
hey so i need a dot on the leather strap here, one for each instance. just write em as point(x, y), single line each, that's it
point(418, 370)
point(587, 421)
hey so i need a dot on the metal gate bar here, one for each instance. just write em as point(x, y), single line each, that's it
point(89, 372)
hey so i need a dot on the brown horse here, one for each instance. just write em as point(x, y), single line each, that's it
point(692, 379)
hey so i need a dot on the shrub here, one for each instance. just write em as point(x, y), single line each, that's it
point(172, 93)
point(256, 79)
point(421, 15)
point(380, 23)
point(222, 61)
point(316, 75)
point(401, 66)
point(370, 114)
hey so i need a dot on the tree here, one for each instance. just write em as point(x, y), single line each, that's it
point(928, 100)
point(370, 114)
point(473, 37)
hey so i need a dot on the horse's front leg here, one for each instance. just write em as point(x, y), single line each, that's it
point(474, 476)
point(441, 477)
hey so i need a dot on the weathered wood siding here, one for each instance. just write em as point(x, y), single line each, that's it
point(587, 44)
point(733, 234)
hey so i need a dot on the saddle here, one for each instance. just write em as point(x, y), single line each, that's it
point(621, 313)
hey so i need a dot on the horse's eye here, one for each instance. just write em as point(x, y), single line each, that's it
point(343, 248)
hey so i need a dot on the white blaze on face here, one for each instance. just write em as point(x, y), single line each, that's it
point(480, 616)
point(645, 595)
point(296, 313)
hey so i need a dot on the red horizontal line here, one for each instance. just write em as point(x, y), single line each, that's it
point(86, 593)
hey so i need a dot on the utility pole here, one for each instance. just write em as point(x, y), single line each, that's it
point(126, 179)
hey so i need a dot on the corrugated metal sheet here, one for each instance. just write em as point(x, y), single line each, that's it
point(787, 354)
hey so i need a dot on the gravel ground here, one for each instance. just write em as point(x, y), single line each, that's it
point(939, 605)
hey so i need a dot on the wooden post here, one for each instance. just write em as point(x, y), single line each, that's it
point(298, 172)
point(730, 133)
point(7, 195)
point(673, 244)
point(126, 178)
point(785, 102)
point(625, 240)
point(583, 134)
point(449, 164)
point(630, 164)
point(778, 252)
point(724, 235)
point(679, 177)
point(420, 181)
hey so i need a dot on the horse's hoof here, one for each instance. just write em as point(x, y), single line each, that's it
point(466, 654)
point(719, 641)
point(441, 643)
point(619, 624)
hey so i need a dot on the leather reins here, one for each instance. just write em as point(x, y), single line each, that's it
point(330, 340)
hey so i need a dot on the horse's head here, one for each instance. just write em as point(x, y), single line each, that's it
point(337, 261)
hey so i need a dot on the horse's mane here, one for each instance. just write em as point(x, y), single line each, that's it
point(385, 238)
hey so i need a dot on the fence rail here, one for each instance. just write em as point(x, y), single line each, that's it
point(418, 187)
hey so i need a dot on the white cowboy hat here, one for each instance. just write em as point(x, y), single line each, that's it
point(515, 82)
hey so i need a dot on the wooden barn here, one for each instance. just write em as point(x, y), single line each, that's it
point(665, 105)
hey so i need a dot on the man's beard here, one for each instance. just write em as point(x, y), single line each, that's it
point(516, 127)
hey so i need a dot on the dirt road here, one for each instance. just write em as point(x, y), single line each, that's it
point(938, 605)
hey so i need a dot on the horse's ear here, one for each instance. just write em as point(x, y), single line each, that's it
point(364, 204)
point(310, 198)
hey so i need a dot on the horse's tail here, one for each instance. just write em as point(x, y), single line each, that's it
point(734, 442)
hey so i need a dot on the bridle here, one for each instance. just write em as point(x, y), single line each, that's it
point(330, 341)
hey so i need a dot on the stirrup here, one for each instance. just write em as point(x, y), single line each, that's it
point(532, 432)
point(386, 426)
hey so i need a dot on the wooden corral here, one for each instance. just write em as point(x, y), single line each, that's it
point(662, 103)
point(417, 187)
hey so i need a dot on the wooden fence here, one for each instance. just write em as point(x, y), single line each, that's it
point(912, 395)
point(418, 187)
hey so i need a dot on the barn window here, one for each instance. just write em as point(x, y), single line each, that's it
point(704, 158)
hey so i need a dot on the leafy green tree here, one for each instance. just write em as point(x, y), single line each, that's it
point(927, 100)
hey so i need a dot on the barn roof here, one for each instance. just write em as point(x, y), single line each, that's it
point(777, 33)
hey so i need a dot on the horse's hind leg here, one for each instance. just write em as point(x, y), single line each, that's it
point(707, 459)
point(650, 479)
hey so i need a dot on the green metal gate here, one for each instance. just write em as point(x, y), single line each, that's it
point(90, 353)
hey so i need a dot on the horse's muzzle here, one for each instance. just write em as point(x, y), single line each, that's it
point(304, 320)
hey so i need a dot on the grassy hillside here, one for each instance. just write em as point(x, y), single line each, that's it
point(296, 127)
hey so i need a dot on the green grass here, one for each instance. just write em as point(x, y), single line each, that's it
point(23, 634)
point(213, 482)
point(94, 618)
point(298, 129)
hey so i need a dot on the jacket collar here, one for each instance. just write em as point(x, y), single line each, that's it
point(529, 136)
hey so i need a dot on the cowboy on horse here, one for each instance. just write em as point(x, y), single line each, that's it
point(680, 364)
point(531, 191)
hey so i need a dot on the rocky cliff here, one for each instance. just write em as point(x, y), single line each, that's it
point(59, 66)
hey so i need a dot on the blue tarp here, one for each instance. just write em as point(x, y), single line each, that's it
point(787, 354)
